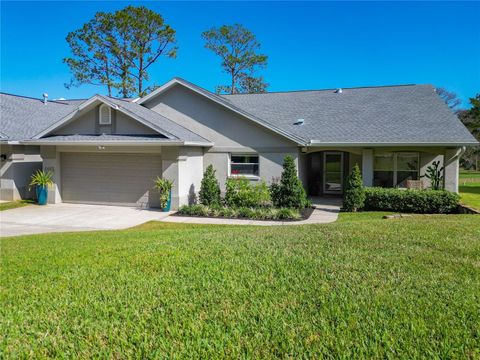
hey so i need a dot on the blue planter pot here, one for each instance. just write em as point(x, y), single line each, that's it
point(42, 195)
point(169, 203)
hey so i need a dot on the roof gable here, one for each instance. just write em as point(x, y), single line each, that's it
point(221, 101)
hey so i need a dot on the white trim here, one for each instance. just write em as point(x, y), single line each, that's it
point(117, 143)
point(325, 153)
point(101, 118)
point(372, 144)
point(395, 164)
point(217, 99)
point(248, 176)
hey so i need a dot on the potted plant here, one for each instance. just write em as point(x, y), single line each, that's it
point(42, 179)
point(164, 187)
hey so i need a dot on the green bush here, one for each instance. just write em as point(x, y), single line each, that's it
point(209, 189)
point(241, 193)
point(354, 195)
point(411, 201)
point(241, 212)
point(289, 193)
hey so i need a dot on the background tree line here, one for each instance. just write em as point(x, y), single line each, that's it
point(116, 50)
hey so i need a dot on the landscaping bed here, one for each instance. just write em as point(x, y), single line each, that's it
point(269, 213)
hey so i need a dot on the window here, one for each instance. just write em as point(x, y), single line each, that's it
point(244, 165)
point(105, 115)
point(394, 169)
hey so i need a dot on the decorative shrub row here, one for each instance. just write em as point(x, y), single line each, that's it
point(240, 212)
point(411, 201)
point(241, 193)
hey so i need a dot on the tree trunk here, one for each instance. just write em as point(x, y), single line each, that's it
point(107, 74)
point(140, 75)
point(232, 89)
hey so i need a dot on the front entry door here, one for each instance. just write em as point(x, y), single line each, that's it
point(333, 173)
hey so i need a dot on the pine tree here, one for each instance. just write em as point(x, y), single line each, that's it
point(209, 188)
point(354, 196)
point(290, 192)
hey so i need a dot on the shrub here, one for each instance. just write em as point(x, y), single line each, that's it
point(289, 193)
point(242, 212)
point(164, 187)
point(413, 201)
point(354, 196)
point(209, 189)
point(434, 173)
point(287, 214)
point(241, 193)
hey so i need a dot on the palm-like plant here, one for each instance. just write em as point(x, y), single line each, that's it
point(41, 178)
point(164, 186)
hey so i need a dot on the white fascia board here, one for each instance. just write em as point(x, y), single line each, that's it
point(352, 144)
point(116, 143)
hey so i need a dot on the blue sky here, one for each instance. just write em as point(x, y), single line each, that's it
point(311, 45)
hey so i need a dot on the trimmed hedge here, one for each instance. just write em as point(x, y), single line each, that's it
point(241, 212)
point(411, 201)
point(240, 192)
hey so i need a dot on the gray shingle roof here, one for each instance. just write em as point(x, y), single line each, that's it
point(391, 114)
point(23, 117)
point(165, 125)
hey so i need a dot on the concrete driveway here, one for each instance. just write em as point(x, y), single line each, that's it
point(34, 219)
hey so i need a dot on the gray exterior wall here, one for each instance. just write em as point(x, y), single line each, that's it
point(15, 171)
point(230, 132)
point(88, 124)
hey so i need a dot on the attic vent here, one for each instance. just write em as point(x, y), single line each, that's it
point(299, 122)
point(339, 91)
point(105, 115)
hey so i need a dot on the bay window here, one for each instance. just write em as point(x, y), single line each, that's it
point(394, 169)
point(244, 165)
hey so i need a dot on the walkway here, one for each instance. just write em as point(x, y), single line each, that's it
point(325, 211)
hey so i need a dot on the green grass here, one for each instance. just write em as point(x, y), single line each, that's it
point(15, 204)
point(470, 194)
point(362, 287)
point(469, 174)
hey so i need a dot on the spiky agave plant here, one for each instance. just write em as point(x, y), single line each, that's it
point(164, 186)
point(41, 178)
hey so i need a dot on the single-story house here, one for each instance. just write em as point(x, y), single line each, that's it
point(105, 150)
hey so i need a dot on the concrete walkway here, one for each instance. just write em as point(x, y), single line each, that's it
point(325, 211)
point(34, 219)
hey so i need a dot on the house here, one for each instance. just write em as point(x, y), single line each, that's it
point(107, 150)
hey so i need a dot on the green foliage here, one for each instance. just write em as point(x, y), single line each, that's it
point(354, 196)
point(372, 288)
point(411, 201)
point(209, 189)
point(471, 119)
point(435, 174)
point(240, 212)
point(41, 178)
point(237, 47)
point(117, 49)
point(240, 192)
point(289, 193)
point(164, 187)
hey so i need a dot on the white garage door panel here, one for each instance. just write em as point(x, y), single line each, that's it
point(117, 179)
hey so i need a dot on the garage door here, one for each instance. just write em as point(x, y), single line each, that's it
point(116, 179)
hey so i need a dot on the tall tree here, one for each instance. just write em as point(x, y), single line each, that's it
point(450, 98)
point(117, 49)
point(91, 62)
point(471, 119)
point(238, 48)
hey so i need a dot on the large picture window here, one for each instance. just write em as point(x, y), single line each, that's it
point(394, 169)
point(243, 165)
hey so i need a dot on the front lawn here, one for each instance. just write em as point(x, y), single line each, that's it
point(15, 204)
point(469, 188)
point(362, 287)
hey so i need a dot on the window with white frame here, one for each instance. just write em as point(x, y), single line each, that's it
point(394, 169)
point(244, 165)
point(105, 115)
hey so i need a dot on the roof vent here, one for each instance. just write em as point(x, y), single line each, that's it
point(45, 97)
point(339, 91)
point(299, 122)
